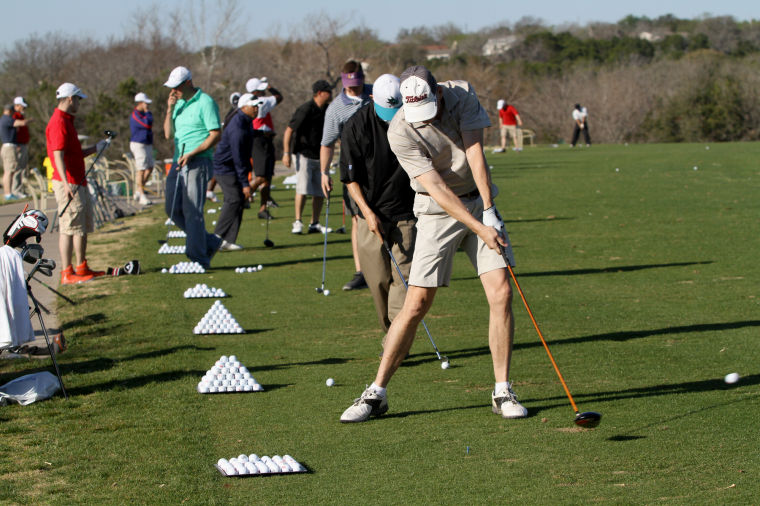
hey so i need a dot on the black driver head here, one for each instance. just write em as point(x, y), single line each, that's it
point(588, 419)
point(268, 243)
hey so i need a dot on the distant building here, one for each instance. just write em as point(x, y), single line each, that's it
point(499, 45)
point(436, 52)
point(650, 36)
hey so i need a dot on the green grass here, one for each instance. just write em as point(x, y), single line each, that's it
point(644, 281)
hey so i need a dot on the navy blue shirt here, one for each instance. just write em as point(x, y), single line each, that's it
point(141, 125)
point(233, 153)
point(7, 130)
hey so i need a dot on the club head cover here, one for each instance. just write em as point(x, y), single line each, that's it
point(31, 223)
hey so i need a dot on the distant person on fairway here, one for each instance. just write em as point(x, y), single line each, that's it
point(300, 146)
point(141, 144)
point(580, 119)
point(381, 190)
point(438, 140)
point(510, 124)
point(192, 118)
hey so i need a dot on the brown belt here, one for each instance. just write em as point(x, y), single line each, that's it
point(471, 195)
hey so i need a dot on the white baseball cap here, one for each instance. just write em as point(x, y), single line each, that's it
point(386, 95)
point(256, 84)
point(500, 104)
point(234, 97)
point(142, 97)
point(69, 90)
point(248, 99)
point(178, 76)
point(20, 101)
point(418, 92)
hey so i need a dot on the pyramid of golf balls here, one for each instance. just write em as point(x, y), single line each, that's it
point(250, 465)
point(200, 291)
point(252, 268)
point(218, 321)
point(165, 249)
point(228, 375)
point(176, 234)
point(185, 268)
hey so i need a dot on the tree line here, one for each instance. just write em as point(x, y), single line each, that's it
point(642, 80)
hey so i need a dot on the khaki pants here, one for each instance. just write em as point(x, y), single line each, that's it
point(385, 285)
point(78, 218)
point(9, 155)
point(515, 133)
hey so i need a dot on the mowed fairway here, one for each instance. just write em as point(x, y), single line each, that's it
point(643, 279)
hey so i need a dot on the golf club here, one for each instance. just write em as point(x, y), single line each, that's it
point(342, 229)
point(176, 185)
point(267, 242)
point(587, 419)
point(444, 359)
point(321, 289)
point(110, 134)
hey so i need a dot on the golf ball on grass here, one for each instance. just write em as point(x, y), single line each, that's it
point(326, 292)
point(330, 382)
point(731, 378)
point(445, 364)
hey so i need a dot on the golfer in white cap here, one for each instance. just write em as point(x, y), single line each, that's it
point(141, 144)
point(438, 140)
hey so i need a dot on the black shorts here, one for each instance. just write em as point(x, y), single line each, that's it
point(263, 156)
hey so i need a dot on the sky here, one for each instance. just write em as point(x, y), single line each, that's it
point(100, 19)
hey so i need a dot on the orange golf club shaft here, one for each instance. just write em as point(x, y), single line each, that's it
point(543, 341)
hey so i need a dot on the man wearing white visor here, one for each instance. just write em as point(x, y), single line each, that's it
point(438, 140)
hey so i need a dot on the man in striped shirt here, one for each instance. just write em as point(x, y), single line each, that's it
point(354, 96)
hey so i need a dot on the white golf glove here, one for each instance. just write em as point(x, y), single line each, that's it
point(100, 146)
point(492, 218)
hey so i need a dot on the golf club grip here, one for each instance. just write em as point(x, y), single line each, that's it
point(540, 335)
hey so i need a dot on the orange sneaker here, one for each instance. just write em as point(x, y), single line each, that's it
point(69, 277)
point(84, 270)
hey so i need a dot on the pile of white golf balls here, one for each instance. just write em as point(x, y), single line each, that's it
point(211, 211)
point(176, 234)
point(252, 268)
point(252, 464)
point(165, 249)
point(185, 268)
point(200, 291)
point(228, 375)
point(218, 321)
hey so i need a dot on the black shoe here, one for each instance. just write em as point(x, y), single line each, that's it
point(356, 283)
point(264, 215)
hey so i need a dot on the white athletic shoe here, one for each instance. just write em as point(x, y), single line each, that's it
point(211, 196)
point(369, 404)
point(145, 201)
point(297, 227)
point(505, 403)
point(498, 150)
point(229, 246)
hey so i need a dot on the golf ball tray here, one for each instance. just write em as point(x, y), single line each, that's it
point(252, 268)
point(185, 268)
point(176, 234)
point(203, 291)
point(228, 375)
point(253, 465)
point(218, 320)
point(166, 249)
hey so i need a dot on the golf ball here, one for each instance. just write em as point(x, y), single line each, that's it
point(445, 364)
point(330, 382)
point(326, 292)
point(731, 378)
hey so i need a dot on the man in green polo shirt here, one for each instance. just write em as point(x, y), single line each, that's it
point(192, 118)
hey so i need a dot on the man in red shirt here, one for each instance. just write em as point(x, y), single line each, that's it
point(22, 143)
point(509, 123)
point(70, 184)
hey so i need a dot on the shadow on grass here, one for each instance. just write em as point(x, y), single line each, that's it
point(404, 414)
point(416, 359)
point(291, 262)
point(90, 319)
point(135, 382)
point(104, 363)
point(709, 385)
point(637, 334)
point(540, 220)
point(324, 361)
point(608, 270)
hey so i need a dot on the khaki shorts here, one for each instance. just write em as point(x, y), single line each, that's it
point(9, 154)
point(143, 154)
point(438, 238)
point(78, 218)
point(309, 177)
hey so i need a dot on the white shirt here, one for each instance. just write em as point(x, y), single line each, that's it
point(580, 115)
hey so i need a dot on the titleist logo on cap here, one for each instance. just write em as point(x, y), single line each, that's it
point(412, 99)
